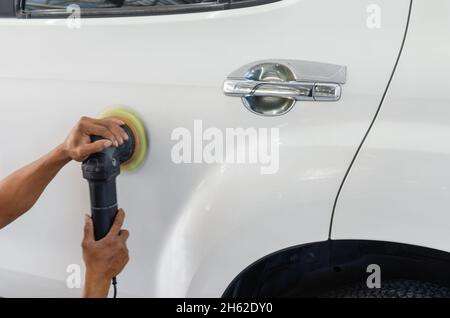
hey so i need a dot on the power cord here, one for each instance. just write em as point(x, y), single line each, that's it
point(114, 283)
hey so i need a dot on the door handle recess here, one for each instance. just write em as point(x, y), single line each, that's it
point(271, 88)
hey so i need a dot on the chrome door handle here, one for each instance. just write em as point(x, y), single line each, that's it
point(246, 87)
point(296, 90)
point(272, 87)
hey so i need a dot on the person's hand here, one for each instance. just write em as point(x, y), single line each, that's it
point(105, 258)
point(78, 145)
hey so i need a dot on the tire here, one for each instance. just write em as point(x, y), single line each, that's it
point(396, 288)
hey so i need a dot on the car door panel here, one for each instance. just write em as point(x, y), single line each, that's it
point(193, 227)
point(398, 189)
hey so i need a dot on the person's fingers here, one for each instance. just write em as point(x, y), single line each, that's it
point(124, 235)
point(93, 147)
point(121, 131)
point(120, 123)
point(113, 125)
point(99, 130)
point(118, 132)
point(117, 225)
point(88, 229)
point(117, 121)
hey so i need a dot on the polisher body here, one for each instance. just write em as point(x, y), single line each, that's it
point(101, 170)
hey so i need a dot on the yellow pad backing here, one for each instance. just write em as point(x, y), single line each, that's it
point(139, 133)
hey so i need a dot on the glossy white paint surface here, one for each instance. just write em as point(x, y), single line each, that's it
point(399, 188)
point(193, 227)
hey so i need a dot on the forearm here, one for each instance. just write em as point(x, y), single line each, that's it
point(20, 190)
point(96, 286)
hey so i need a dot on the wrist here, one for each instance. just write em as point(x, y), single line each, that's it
point(61, 155)
point(96, 286)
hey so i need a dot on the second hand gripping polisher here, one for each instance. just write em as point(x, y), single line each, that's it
point(102, 168)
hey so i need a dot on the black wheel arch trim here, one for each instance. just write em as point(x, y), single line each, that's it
point(311, 269)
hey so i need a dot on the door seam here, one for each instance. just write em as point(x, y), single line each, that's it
point(372, 122)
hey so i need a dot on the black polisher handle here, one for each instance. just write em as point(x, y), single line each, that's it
point(103, 206)
point(100, 170)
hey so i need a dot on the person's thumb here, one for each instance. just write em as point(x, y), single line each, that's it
point(88, 228)
point(94, 147)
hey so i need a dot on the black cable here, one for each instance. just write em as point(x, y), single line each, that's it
point(114, 283)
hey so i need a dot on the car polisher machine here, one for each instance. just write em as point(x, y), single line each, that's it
point(102, 168)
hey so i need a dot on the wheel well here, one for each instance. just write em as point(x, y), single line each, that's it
point(311, 269)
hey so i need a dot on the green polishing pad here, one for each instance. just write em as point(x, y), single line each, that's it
point(139, 134)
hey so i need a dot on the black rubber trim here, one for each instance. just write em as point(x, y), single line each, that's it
point(310, 270)
point(141, 11)
point(373, 121)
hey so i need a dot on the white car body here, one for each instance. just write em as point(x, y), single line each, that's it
point(195, 227)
